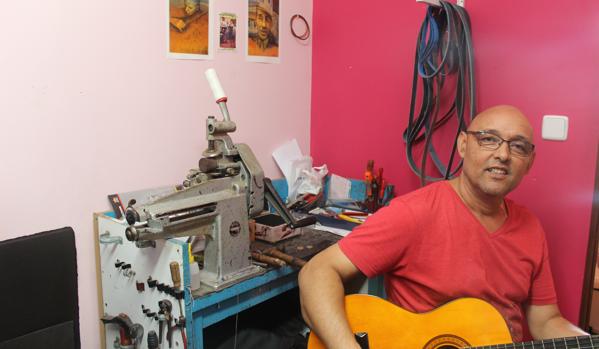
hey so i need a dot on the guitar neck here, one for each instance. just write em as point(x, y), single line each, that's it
point(581, 342)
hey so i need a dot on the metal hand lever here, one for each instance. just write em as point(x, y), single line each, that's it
point(218, 92)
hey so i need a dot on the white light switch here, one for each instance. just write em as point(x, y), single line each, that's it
point(555, 127)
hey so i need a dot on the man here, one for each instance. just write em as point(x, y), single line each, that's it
point(451, 239)
point(264, 25)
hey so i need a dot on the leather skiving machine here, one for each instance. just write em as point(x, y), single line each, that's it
point(215, 200)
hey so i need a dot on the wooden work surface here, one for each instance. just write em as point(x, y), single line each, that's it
point(304, 246)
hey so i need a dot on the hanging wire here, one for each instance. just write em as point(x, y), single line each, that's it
point(443, 50)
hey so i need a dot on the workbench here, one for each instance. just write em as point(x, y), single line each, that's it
point(119, 290)
point(214, 307)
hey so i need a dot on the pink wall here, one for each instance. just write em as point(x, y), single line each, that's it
point(90, 106)
point(538, 55)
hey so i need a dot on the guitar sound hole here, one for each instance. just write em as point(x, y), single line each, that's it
point(446, 341)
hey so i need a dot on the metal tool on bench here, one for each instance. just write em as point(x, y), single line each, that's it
point(216, 199)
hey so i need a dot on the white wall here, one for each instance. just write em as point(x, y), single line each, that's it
point(90, 105)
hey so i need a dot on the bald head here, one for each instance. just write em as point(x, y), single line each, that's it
point(503, 117)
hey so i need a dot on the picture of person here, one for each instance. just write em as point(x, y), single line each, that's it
point(188, 27)
point(228, 24)
point(263, 28)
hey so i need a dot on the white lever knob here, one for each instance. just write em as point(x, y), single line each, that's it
point(217, 89)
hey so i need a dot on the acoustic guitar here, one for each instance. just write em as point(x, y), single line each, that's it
point(466, 322)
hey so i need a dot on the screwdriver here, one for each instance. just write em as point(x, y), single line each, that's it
point(176, 276)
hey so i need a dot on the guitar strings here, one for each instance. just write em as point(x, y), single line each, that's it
point(581, 342)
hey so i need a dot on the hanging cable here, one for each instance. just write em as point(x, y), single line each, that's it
point(443, 50)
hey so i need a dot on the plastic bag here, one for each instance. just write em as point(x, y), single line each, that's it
point(306, 179)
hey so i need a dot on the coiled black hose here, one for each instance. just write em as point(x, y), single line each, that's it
point(443, 48)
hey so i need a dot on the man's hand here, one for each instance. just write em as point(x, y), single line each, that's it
point(322, 295)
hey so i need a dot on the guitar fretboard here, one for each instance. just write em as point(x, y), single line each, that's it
point(581, 342)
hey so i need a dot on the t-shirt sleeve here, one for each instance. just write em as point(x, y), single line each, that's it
point(378, 245)
point(542, 290)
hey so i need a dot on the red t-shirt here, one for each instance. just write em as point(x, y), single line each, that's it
point(432, 249)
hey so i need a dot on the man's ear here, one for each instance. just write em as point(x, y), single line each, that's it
point(462, 139)
point(531, 161)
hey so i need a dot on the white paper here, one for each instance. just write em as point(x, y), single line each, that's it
point(284, 157)
point(336, 231)
point(339, 187)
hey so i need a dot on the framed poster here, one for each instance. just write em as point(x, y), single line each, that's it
point(189, 24)
point(263, 31)
point(227, 31)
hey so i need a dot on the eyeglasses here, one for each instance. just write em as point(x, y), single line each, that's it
point(488, 140)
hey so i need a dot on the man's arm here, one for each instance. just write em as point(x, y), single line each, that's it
point(322, 294)
point(546, 321)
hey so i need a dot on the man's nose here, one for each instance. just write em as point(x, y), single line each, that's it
point(503, 152)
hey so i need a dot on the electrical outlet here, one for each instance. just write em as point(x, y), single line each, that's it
point(555, 127)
